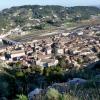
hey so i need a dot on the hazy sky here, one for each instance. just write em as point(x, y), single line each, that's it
point(9, 3)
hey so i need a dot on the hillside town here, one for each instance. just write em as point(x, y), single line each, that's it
point(79, 47)
point(49, 52)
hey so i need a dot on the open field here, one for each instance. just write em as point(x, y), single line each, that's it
point(68, 27)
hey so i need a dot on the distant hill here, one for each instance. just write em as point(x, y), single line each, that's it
point(98, 6)
point(36, 16)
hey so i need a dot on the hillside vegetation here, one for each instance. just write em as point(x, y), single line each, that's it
point(56, 82)
point(41, 17)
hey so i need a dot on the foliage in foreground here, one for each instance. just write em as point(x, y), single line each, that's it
point(21, 97)
point(15, 81)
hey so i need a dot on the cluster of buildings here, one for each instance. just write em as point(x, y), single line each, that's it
point(77, 49)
